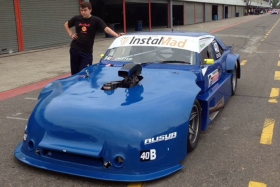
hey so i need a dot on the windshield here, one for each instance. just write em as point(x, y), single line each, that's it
point(149, 54)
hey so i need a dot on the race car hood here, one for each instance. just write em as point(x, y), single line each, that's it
point(76, 116)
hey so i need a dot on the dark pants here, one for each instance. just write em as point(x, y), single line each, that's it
point(79, 60)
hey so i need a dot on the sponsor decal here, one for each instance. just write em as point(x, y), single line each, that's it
point(124, 40)
point(148, 155)
point(116, 59)
point(195, 44)
point(161, 138)
point(108, 58)
point(160, 41)
point(213, 77)
point(202, 45)
point(124, 59)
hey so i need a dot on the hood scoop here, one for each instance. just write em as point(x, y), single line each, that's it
point(130, 73)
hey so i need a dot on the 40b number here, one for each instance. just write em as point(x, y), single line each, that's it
point(148, 155)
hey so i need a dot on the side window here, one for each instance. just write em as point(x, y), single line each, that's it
point(218, 49)
point(206, 53)
point(210, 51)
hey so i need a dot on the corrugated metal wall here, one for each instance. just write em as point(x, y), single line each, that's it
point(220, 12)
point(208, 12)
point(189, 13)
point(8, 32)
point(199, 12)
point(43, 22)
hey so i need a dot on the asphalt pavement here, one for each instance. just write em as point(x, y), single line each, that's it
point(229, 153)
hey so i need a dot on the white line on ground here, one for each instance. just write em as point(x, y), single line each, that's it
point(16, 118)
point(30, 98)
point(237, 36)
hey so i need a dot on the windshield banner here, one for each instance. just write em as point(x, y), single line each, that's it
point(195, 44)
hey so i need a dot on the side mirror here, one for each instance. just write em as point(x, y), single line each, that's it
point(102, 55)
point(209, 61)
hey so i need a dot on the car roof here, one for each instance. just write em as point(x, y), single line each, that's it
point(173, 33)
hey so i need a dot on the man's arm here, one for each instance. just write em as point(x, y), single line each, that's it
point(108, 30)
point(69, 31)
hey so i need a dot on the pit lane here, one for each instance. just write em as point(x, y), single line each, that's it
point(228, 154)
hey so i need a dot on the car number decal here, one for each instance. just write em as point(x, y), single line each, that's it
point(148, 155)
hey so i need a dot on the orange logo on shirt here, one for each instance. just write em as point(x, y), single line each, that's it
point(84, 29)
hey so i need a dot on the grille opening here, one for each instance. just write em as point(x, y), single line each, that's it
point(74, 158)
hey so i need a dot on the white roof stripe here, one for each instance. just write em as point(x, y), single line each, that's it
point(195, 44)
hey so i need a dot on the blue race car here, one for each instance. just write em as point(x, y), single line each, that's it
point(135, 115)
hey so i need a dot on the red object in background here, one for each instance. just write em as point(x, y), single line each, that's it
point(19, 25)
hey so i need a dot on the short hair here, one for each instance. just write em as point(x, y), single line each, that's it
point(86, 5)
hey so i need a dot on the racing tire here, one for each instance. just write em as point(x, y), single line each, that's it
point(234, 81)
point(194, 127)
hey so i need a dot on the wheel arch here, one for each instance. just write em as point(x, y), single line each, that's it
point(204, 114)
point(232, 62)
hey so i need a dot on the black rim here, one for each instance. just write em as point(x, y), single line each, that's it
point(194, 124)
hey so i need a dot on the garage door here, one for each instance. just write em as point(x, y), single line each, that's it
point(233, 11)
point(208, 12)
point(189, 13)
point(229, 11)
point(43, 22)
point(8, 33)
point(199, 12)
point(220, 11)
point(241, 10)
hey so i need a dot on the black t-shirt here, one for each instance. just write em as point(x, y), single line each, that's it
point(85, 29)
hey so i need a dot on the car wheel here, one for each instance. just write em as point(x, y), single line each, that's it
point(233, 82)
point(194, 126)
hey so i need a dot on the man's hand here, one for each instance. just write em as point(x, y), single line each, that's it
point(121, 34)
point(74, 36)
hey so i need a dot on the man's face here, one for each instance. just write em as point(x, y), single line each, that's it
point(85, 12)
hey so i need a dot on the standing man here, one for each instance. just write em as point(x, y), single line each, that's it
point(86, 26)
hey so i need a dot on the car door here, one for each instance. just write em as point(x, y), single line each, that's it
point(213, 72)
point(212, 92)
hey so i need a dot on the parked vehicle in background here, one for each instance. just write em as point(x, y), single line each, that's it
point(274, 11)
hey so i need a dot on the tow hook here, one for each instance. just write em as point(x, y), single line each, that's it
point(107, 164)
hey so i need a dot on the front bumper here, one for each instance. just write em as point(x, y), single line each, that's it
point(90, 172)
